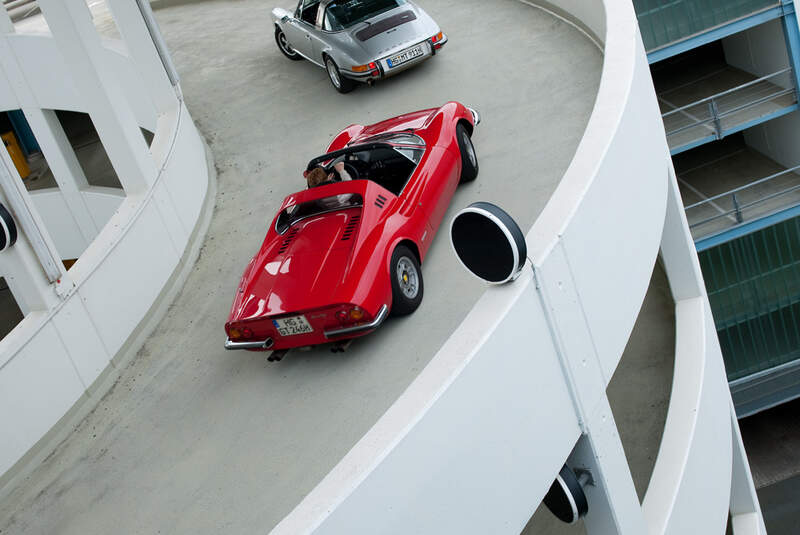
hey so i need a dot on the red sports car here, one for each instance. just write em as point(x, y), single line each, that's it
point(340, 257)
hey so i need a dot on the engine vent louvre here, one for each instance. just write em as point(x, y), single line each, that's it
point(288, 239)
point(380, 201)
point(351, 227)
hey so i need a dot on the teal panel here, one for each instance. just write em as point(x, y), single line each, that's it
point(753, 285)
point(663, 22)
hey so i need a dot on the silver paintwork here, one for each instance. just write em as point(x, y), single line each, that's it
point(313, 43)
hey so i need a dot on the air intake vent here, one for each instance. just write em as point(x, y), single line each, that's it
point(288, 239)
point(350, 227)
point(380, 201)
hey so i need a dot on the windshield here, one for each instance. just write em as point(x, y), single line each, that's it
point(342, 14)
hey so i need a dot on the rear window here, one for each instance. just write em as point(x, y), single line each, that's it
point(342, 14)
point(293, 214)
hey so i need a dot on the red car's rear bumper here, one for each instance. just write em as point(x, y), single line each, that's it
point(315, 338)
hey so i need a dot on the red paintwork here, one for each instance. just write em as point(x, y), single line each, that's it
point(318, 271)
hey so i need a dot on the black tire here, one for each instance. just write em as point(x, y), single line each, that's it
point(339, 82)
point(284, 46)
point(407, 287)
point(469, 159)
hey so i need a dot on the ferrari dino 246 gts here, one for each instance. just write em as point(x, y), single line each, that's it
point(357, 40)
point(338, 258)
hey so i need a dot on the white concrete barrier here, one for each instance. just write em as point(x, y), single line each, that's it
point(92, 319)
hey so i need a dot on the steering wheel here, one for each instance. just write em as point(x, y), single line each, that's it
point(351, 170)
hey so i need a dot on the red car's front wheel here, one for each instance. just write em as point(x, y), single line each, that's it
point(406, 281)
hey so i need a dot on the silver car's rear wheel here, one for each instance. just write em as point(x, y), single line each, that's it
point(339, 82)
point(285, 47)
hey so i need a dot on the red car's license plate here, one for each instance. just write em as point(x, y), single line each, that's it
point(293, 326)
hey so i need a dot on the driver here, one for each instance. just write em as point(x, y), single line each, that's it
point(318, 176)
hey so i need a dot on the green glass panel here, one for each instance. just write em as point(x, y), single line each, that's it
point(753, 285)
point(664, 22)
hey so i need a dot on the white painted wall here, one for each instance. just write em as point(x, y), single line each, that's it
point(101, 202)
point(761, 50)
point(425, 467)
point(777, 139)
point(78, 337)
point(75, 329)
point(49, 77)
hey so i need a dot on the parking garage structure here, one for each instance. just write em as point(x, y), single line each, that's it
point(481, 388)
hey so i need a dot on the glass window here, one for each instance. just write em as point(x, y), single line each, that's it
point(298, 212)
point(342, 14)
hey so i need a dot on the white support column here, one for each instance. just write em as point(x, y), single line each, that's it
point(745, 510)
point(23, 273)
point(144, 54)
point(71, 25)
point(614, 505)
point(6, 26)
point(66, 169)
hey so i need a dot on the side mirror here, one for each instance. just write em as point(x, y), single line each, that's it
point(488, 242)
point(284, 18)
point(566, 499)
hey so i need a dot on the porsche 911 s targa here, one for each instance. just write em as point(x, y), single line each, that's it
point(340, 257)
point(357, 40)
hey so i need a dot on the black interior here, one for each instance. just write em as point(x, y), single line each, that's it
point(384, 166)
point(309, 14)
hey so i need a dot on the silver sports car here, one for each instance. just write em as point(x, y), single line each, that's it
point(357, 40)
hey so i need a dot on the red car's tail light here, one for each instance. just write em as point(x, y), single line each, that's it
point(350, 314)
point(239, 333)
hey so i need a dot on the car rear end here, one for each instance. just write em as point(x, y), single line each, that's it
point(396, 41)
point(303, 328)
point(303, 287)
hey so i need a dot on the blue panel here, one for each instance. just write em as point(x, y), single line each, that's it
point(693, 144)
point(746, 228)
point(23, 132)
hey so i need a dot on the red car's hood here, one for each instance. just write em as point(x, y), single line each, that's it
point(302, 269)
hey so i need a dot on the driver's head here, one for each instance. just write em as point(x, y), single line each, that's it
point(316, 176)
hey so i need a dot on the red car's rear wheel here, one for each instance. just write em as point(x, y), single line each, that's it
point(407, 284)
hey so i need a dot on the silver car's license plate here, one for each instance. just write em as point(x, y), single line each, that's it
point(406, 55)
point(293, 326)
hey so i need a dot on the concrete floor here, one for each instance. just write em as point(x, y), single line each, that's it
point(689, 82)
point(194, 439)
point(722, 166)
point(772, 441)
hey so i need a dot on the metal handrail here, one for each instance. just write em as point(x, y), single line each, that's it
point(716, 116)
point(739, 208)
point(727, 92)
point(746, 186)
